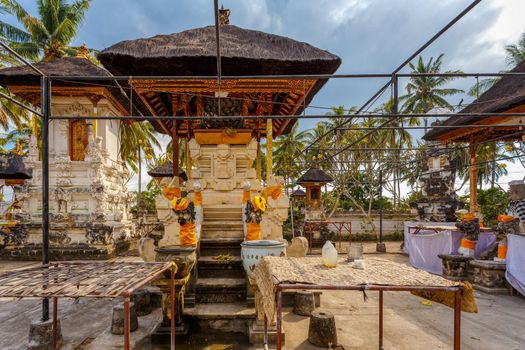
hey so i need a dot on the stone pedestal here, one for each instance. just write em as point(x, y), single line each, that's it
point(142, 301)
point(256, 333)
point(456, 267)
point(304, 303)
point(41, 336)
point(322, 330)
point(117, 321)
point(380, 247)
point(489, 276)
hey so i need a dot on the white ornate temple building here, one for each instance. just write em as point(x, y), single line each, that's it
point(88, 199)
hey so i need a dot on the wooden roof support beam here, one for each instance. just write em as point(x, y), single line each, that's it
point(298, 104)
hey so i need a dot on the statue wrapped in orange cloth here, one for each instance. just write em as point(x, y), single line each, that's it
point(253, 209)
point(469, 225)
point(189, 213)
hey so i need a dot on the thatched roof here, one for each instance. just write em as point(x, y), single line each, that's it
point(193, 52)
point(507, 93)
point(12, 167)
point(314, 175)
point(73, 66)
point(67, 66)
point(298, 193)
point(243, 52)
point(166, 170)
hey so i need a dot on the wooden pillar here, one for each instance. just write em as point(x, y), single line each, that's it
point(175, 145)
point(258, 163)
point(473, 179)
point(175, 136)
point(189, 163)
point(269, 148)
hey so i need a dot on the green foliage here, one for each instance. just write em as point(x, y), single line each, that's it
point(146, 201)
point(492, 202)
point(49, 35)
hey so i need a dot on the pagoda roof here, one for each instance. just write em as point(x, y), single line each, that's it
point(244, 52)
point(193, 53)
point(166, 170)
point(298, 193)
point(72, 66)
point(24, 76)
point(313, 175)
point(505, 95)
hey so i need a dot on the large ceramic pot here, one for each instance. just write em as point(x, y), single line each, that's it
point(183, 257)
point(253, 251)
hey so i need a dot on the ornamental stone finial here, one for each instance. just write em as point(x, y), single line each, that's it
point(224, 16)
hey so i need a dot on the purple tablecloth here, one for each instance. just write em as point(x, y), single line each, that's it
point(515, 273)
point(424, 247)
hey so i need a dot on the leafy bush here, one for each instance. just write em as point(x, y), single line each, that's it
point(492, 202)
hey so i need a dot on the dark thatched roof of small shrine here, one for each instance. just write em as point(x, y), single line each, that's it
point(12, 167)
point(166, 170)
point(505, 94)
point(314, 175)
point(193, 52)
point(298, 193)
point(72, 66)
point(67, 66)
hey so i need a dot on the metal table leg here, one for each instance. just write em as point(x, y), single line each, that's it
point(127, 324)
point(457, 319)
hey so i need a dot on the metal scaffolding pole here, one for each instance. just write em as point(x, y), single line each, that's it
point(46, 112)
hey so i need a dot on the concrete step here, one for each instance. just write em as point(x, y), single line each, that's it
point(222, 225)
point(223, 214)
point(220, 290)
point(217, 246)
point(221, 317)
point(210, 268)
point(222, 234)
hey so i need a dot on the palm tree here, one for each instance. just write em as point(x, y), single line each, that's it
point(515, 55)
point(50, 35)
point(516, 52)
point(287, 155)
point(135, 136)
point(425, 93)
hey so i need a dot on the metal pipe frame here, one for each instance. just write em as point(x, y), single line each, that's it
point(127, 324)
point(24, 106)
point(289, 77)
point(21, 59)
point(299, 116)
point(46, 113)
point(55, 323)
point(394, 73)
point(465, 126)
point(380, 288)
point(172, 299)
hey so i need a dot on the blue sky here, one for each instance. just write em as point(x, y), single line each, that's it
point(368, 35)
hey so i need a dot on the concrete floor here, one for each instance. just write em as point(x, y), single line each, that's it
point(409, 324)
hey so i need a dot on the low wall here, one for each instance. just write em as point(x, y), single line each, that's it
point(392, 222)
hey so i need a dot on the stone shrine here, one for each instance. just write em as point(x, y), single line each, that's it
point(439, 202)
point(88, 199)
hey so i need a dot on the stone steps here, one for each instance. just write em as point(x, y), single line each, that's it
point(221, 317)
point(218, 215)
point(218, 246)
point(220, 290)
point(210, 268)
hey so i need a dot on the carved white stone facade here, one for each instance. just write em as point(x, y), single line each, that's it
point(222, 170)
point(88, 199)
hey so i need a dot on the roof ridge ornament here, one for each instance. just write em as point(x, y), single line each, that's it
point(83, 51)
point(224, 16)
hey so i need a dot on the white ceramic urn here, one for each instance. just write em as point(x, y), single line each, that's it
point(253, 251)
